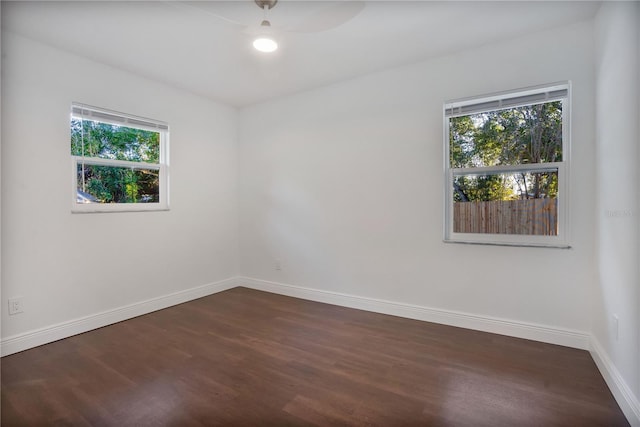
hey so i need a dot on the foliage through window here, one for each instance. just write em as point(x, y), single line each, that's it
point(506, 163)
point(119, 161)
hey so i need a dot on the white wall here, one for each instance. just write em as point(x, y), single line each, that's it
point(343, 186)
point(618, 115)
point(67, 266)
point(1, 68)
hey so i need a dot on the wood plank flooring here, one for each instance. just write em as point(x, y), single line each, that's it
point(244, 357)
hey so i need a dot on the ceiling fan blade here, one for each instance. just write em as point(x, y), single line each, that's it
point(328, 17)
point(205, 9)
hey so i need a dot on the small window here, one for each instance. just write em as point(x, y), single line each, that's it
point(506, 168)
point(119, 161)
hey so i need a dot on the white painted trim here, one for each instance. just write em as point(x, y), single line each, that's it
point(622, 393)
point(624, 396)
point(563, 238)
point(24, 341)
point(628, 402)
point(547, 334)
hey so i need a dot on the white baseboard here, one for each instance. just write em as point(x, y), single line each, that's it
point(621, 391)
point(576, 339)
point(24, 341)
point(568, 338)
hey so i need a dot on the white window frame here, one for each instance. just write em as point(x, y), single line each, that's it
point(87, 112)
point(516, 98)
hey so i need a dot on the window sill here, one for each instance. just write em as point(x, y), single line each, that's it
point(513, 244)
point(116, 208)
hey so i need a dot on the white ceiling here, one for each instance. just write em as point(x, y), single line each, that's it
point(200, 46)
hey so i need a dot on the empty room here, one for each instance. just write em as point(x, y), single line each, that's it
point(320, 213)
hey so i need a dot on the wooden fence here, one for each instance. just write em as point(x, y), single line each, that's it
point(531, 216)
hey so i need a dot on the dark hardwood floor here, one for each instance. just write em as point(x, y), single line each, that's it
point(244, 357)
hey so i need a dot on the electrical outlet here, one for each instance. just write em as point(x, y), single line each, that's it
point(616, 327)
point(278, 265)
point(15, 306)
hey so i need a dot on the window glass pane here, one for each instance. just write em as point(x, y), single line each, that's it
point(506, 203)
point(106, 141)
point(514, 136)
point(114, 184)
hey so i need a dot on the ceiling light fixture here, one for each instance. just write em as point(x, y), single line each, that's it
point(265, 42)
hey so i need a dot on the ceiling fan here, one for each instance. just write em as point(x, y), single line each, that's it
point(264, 42)
point(320, 16)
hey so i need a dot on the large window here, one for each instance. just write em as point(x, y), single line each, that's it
point(506, 168)
point(119, 161)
